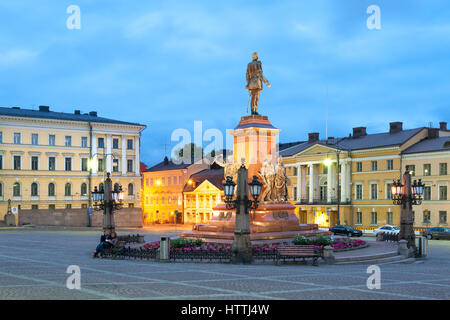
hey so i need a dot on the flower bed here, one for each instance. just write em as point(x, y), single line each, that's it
point(348, 244)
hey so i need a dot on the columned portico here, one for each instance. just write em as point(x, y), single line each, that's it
point(311, 182)
point(299, 183)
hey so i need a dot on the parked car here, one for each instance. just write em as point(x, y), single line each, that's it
point(437, 233)
point(347, 230)
point(387, 229)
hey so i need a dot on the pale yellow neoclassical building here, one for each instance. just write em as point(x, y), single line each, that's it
point(368, 164)
point(429, 160)
point(52, 160)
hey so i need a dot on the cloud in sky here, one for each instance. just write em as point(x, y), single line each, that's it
point(173, 62)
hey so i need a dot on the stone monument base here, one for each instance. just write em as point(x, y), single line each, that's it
point(270, 223)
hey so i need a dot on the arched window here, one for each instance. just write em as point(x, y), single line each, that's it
point(51, 189)
point(68, 189)
point(84, 189)
point(34, 189)
point(130, 189)
point(16, 189)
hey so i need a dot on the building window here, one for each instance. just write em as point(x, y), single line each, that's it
point(68, 141)
point(443, 169)
point(51, 140)
point(130, 189)
point(129, 165)
point(426, 216)
point(51, 207)
point(68, 164)
point(101, 165)
point(1, 137)
point(358, 217)
point(359, 192)
point(51, 189)
point(84, 189)
point(389, 191)
point(17, 138)
point(130, 144)
point(427, 193)
point(84, 142)
point(442, 217)
point(324, 170)
point(115, 143)
point(34, 163)
point(84, 206)
point(390, 164)
point(68, 206)
point(374, 166)
point(131, 205)
point(294, 193)
point(374, 191)
point(101, 143)
point(390, 218)
point(115, 165)
point(34, 189)
point(359, 167)
point(1, 162)
point(84, 164)
point(427, 169)
point(295, 171)
point(34, 139)
point(34, 207)
point(68, 190)
point(16, 189)
point(51, 163)
point(1, 190)
point(374, 218)
point(411, 169)
point(442, 192)
point(17, 162)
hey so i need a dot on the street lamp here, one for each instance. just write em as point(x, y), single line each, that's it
point(108, 199)
point(407, 194)
point(241, 251)
point(228, 190)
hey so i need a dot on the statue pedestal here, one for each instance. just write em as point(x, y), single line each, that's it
point(270, 223)
point(255, 141)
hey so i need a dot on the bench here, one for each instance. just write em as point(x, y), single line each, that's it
point(303, 252)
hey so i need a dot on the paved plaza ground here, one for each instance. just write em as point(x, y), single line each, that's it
point(33, 264)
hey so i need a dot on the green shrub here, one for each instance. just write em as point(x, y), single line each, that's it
point(183, 242)
point(319, 241)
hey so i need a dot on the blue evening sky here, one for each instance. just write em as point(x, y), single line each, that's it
point(168, 63)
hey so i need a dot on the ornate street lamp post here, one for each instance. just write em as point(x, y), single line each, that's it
point(108, 199)
point(407, 194)
point(242, 246)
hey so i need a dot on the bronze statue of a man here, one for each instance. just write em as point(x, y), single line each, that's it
point(255, 79)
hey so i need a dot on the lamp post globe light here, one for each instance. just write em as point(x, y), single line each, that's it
point(108, 199)
point(241, 251)
point(406, 194)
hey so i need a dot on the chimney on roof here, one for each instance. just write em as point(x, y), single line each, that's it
point(359, 132)
point(77, 112)
point(44, 108)
point(395, 127)
point(17, 108)
point(443, 125)
point(433, 133)
point(166, 161)
point(93, 113)
point(313, 136)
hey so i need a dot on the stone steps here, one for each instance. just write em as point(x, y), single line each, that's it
point(385, 260)
point(360, 258)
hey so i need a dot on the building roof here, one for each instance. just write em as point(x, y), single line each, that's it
point(214, 175)
point(167, 164)
point(45, 113)
point(430, 145)
point(369, 141)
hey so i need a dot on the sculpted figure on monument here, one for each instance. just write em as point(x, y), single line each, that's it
point(267, 174)
point(230, 168)
point(281, 193)
point(255, 78)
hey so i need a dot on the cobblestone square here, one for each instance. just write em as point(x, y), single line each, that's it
point(33, 264)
